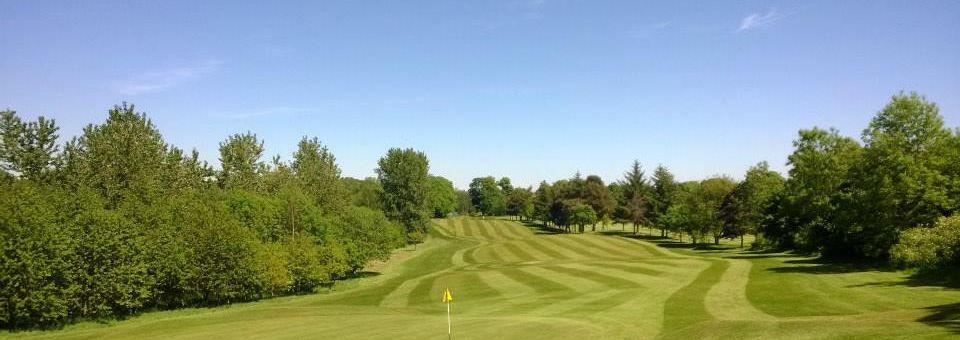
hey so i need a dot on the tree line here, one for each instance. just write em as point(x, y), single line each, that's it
point(117, 221)
point(892, 196)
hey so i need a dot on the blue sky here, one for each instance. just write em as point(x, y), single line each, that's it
point(528, 89)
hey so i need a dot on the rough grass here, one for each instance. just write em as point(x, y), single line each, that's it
point(515, 281)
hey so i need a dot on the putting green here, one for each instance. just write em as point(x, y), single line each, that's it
point(514, 281)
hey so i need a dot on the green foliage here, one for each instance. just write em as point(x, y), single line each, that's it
point(464, 203)
point(581, 215)
point(899, 182)
point(317, 170)
point(487, 196)
point(366, 235)
point(34, 259)
point(805, 210)
point(122, 222)
point(664, 192)
point(930, 248)
point(743, 208)
point(363, 193)
point(121, 159)
point(520, 203)
point(221, 255)
point(27, 149)
point(403, 177)
point(441, 195)
point(598, 196)
point(240, 162)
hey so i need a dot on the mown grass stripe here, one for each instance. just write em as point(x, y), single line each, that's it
point(496, 230)
point(490, 254)
point(537, 282)
point(466, 224)
point(505, 285)
point(571, 280)
point(600, 303)
point(685, 307)
point(557, 243)
point(570, 242)
point(469, 256)
point(482, 230)
point(537, 243)
point(514, 229)
point(606, 280)
point(520, 253)
point(631, 269)
point(598, 243)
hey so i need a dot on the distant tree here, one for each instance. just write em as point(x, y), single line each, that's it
point(441, 195)
point(710, 196)
point(505, 186)
point(122, 159)
point(27, 149)
point(487, 196)
point(520, 203)
point(363, 193)
point(743, 209)
point(464, 203)
point(664, 190)
point(403, 176)
point(316, 168)
point(542, 202)
point(636, 195)
point(581, 215)
point(240, 162)
point(598, 196)
point(807, 207)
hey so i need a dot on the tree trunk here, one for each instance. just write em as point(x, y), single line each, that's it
point(741, 240)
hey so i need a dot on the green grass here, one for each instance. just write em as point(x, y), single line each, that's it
point(516, 281)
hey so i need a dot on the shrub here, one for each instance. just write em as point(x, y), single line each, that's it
point(930, 248)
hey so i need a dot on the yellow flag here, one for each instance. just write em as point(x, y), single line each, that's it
point(446, 296)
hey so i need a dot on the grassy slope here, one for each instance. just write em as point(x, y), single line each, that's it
point(511, 281)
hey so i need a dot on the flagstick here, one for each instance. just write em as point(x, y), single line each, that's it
point(448, 322)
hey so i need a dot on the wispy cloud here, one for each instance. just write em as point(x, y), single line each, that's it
point(760, 19)
point(163, 79)
point(650, 31)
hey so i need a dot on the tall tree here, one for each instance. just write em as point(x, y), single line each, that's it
point(807, 207)
point(487, 196)
point(403, 176)
point(441, 195)
point(710, 196)
point(27, 149)
point(598, 196)
point(122, 159)
point(744, 207)
point(520, 203)
point(317, 170)
point(664, 190)
point(505, 186)
point(542, 202)
point(240, 162)
point(900, 181)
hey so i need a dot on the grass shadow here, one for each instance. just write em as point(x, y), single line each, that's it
point(944, 278)
point(947, 316)
point(541, 229)
point(820, 265)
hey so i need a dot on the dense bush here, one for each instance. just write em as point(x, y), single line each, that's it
point(930, 248)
